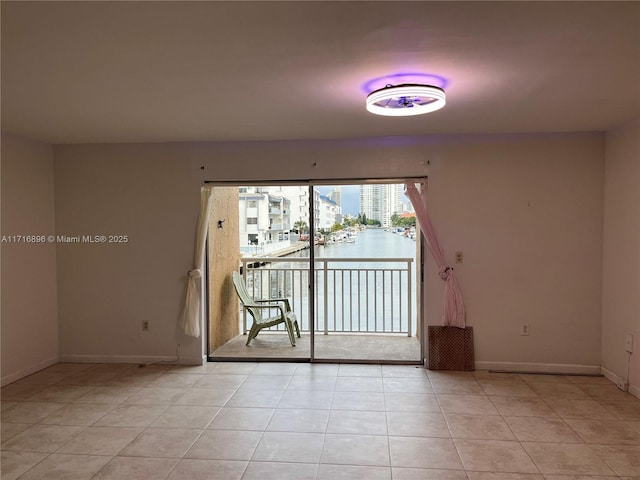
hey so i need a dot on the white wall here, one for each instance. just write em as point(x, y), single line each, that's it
point(29, 304)
point(528, 218)
point(621, 262)
point(107, 290)
point(526, 211)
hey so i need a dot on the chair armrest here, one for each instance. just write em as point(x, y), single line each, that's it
point(285, 300)
point(256, 305)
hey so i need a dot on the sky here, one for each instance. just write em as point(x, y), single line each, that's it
point(350, 198)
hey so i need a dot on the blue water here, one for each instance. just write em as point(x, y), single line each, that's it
point(371, 243)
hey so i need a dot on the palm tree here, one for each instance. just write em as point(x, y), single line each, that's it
point(301, 226)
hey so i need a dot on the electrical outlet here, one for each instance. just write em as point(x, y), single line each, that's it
point(622, 385)
point(145, 325)
point(524, 329)
point(459, 257)
point(628, 343)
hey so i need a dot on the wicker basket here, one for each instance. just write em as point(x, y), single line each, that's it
point(451, 348)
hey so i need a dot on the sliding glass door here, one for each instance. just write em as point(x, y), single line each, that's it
point(339, 258)
point(365, 275)
point(269, 253)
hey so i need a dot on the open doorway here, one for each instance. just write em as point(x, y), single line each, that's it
point(345, 256)
point(269, 229)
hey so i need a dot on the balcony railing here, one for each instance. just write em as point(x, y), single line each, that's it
point(352, 295)
point(279, 227)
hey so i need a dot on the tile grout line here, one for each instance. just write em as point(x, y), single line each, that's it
point(589, 395)
point(533, 462)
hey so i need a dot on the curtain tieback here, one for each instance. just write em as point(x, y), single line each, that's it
point(195, 273)
point(445, 272)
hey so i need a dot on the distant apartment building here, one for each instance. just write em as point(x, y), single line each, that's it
point(299, 197)
point(371, 201)
point(380, 202)
point(336, 196)
point(329, 213)
point(264, 218)
point(268, 214)
point(316, 209)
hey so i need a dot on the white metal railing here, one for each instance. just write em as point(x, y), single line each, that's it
point(266, 248)
point(352, 295)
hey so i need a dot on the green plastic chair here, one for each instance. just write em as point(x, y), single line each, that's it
point(256, 307)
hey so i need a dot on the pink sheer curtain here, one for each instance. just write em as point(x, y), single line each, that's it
point(454, 313)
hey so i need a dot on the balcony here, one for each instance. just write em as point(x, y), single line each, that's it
point(364, 309)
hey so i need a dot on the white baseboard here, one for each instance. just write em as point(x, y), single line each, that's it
point(621, 382)
point(557, 368)
point(12, 377)
point(147, 359)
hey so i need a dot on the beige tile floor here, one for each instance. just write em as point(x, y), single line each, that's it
point(250, 421)
point(333, 347)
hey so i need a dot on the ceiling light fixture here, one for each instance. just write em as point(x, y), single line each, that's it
point(406, 99)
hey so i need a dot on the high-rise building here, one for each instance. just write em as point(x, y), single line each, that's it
point(396, 204)
point(380, 202)
point(336, 196)
point(371, 197)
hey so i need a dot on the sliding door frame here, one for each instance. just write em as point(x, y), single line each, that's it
point(311, 184)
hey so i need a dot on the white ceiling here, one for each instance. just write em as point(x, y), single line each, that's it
point(173, 71)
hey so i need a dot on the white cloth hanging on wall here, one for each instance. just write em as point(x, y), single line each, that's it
point(190, 318)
